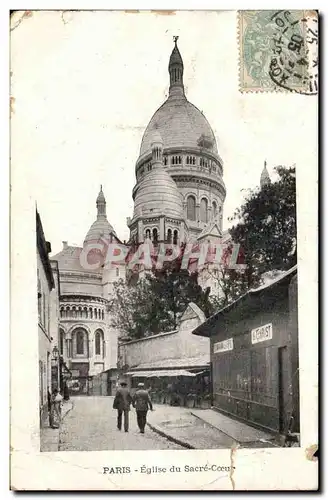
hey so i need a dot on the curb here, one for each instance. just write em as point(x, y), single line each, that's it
point(170, 437)
point(240, 443)
point(213, 427)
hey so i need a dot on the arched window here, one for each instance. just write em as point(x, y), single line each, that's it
point(61, 313)
point(99, 314)
point(165, 160)
point(193, 160)
point(169, 235)
point(203, 210)
point(68, 312)
point(148, 234)
point(90, 313)
point(102, 315)
point(191, 208)
point(155, 235)
point(85, 312)
point(74, 312)
point(214, 207)
point(187, 160)
point(175, 237)
point(95, 313)
point(61, 342)
point(98, 340)
point(117, 271)
point(80, 342)
point(80, 312)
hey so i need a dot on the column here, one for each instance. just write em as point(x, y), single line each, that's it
point(140, 231)
point(161, 236)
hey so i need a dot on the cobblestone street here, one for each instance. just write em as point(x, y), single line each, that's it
point(91, 426)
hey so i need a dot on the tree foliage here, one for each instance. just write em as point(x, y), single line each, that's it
point(266, 227)
point(156, 302)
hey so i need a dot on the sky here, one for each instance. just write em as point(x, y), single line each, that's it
point(85, 85)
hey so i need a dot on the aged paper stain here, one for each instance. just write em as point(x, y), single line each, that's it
point(12, 102)
point(232, 462)
point(26, 13)
point(310, 451)
point(164, 12)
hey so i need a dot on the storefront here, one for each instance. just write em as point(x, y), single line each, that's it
point(254, 356)
point(176, 387)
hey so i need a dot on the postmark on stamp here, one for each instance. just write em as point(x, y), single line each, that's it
point(278, 51)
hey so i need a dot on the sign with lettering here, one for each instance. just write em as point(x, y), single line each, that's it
point(225, 345)
point(262, 333)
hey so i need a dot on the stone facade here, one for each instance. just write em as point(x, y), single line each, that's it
point(48, 300)
point(87, 342)
point(189, 155)
point(173, 350)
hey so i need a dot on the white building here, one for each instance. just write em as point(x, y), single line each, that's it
point(48, 322)
point(87, 341)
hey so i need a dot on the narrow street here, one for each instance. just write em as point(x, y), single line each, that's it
point(91, 426)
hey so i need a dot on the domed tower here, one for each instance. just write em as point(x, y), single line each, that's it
point(158, 207)
point(190, 153)
point(101, 229)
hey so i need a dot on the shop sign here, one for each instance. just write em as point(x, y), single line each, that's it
point(262, 333)
point(225, 345)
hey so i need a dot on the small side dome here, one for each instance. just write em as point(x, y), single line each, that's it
point(101, 229)
point(158, 195)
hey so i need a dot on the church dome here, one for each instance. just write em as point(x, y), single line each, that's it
point(157, 193)
point(178, 121)
point(180, 124)
point(98, 230)
point(101, 228)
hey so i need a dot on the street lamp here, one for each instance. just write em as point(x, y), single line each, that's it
point(55, 353)
point(56, 367)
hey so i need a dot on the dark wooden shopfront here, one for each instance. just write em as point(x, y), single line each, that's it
point(253, 356)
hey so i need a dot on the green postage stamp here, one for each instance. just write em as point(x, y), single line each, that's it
point(278, 51)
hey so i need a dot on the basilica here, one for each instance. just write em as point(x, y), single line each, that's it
point(178, 198)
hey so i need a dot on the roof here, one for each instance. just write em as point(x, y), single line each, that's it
point(185, 363)
point(210, 229)
point(202, 329)
point(44, 248)
point(180, 123)
point(158, 194)
point(163, 334)
point(162, 373)
point(99, 229)
point(70, 258)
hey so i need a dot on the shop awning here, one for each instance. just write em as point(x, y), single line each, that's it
point(162, 373)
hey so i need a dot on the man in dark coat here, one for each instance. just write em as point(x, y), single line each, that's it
point(142, 403)
point(122, 402)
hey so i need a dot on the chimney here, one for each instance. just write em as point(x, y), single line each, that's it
point(65, 245)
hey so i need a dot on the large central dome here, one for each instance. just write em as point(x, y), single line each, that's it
point(179, 123)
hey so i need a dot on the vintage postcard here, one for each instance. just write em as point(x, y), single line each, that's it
point(164, 169)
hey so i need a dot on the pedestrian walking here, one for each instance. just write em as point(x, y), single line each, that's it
point(122, 402)
point(142, 403)
point(56, 404)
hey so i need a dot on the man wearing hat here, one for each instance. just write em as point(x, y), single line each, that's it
point(122, 402)
point(142, 403)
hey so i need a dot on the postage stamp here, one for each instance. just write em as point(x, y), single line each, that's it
point(278, 51)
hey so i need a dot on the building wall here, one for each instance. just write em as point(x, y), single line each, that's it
point(45, 327)
point(74, 283)
point(97, 362)
point(173, 345)
point(54, 305)
point(253, 380)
